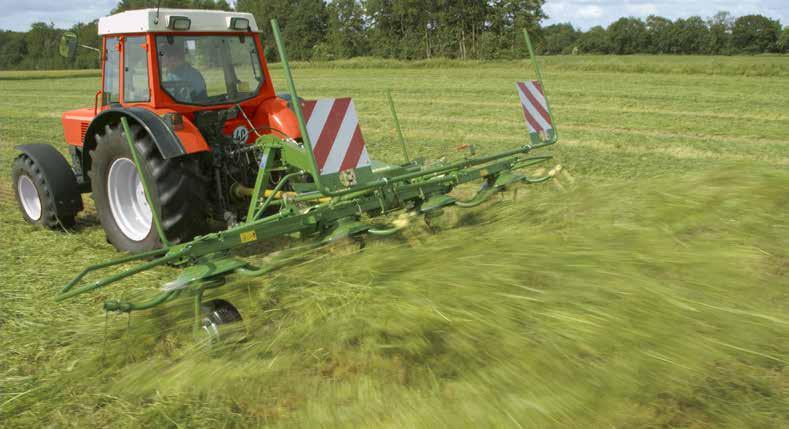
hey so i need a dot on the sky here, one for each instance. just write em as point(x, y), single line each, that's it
point(19, 14)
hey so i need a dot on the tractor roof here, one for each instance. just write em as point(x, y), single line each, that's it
point(151, 20)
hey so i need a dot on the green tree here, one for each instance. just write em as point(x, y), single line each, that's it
point(303, 24)
point(455, 27)
point(87, 34)
point(416, 29)
point(401, 28)
point(42, 48)
point(720, 26)
point(659, 30)
point(346, 36)
point(689, 36)
point(784, 41)
point(559, 39)
point(756, 34)
point(628, 36)
point(595, 41)
point(13, 49)
point(507, 19)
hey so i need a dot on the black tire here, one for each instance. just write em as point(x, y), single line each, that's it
point(177, 189)
point(50, 216)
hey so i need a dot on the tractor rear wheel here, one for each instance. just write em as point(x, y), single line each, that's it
point(177, 191)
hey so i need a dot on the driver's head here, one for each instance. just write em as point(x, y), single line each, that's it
point(172, 54)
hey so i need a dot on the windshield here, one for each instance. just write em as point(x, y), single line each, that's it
point(209, 69)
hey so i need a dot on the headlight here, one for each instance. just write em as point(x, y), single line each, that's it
point(180, 23)
point(237, 23)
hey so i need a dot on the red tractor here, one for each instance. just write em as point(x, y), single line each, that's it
point(194, 87)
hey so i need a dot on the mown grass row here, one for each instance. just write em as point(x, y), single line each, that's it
point(764, 65)
point(648, 287)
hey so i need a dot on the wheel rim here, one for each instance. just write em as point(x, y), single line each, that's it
point(28, 195)
point(128, 205)
point(218, 317)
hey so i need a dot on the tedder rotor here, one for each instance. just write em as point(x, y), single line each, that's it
point(175, 150)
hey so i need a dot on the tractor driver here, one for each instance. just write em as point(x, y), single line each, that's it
point(176, 69)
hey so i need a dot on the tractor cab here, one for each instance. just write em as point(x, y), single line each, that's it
point(180, 57)
point(174, 63)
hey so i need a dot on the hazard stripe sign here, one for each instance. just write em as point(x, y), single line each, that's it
point(535, 108)
point(333, 129)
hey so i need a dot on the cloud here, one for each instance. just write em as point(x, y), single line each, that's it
point(641, 9)
point(588, 13)
point(18, 15)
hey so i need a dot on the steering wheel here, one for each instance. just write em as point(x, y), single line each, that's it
point(180, 89)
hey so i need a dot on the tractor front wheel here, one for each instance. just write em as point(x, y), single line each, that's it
point(45, 187)
point(177, 192)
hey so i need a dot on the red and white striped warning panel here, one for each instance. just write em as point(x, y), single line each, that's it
point(535, 108)
point(333, 128)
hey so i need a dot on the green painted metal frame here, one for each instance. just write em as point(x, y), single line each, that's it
point(399, 130)
point(334, 212)
point(136, 158)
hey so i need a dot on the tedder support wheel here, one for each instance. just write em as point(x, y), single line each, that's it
point(215, 314)
point(177, 191)
point(45, 187)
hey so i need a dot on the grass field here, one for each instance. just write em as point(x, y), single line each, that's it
point(649, 287)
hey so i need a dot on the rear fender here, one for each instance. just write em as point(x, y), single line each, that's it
point(276, 117)
point(171, 144)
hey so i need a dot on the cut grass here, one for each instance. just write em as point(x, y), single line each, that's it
point(647, 289)
point(47, 74)
point(761, 65)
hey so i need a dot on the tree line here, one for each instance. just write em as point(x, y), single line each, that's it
point(722, 34)
point(416, 29)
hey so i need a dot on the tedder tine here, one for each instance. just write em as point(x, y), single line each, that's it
point(68, 292)
point(107, 264)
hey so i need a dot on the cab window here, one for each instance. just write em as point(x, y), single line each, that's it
point(112, 57)
point(209, 70)
point(135, 70)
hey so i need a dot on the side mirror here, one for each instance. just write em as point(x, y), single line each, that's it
point(68, 45)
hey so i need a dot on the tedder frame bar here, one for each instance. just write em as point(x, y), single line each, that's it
point(308, 152)
point(399, 130)
point(136, 158)
point(332, 214)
